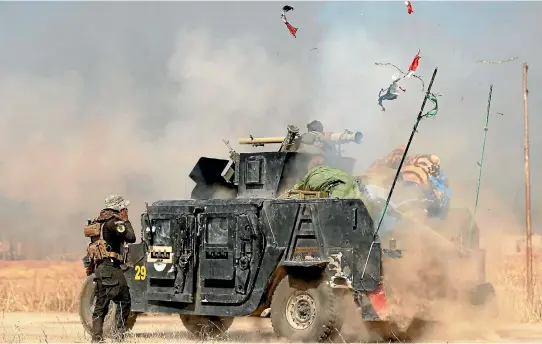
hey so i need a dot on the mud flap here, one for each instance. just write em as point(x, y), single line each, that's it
point(368, 312)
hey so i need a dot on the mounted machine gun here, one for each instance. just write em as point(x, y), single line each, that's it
point(292, 140)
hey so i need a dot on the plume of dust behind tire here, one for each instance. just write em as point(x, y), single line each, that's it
point(353, 329)
point(432, 279)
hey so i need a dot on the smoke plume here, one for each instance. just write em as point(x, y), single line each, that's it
point(100, 98)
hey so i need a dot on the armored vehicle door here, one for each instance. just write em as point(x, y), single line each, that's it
point(170, 260)
point(230, 255)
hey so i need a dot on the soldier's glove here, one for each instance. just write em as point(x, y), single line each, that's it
point(90, 269)
point(86, 261)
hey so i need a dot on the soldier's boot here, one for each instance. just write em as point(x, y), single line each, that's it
point(121, 318)
point(97, 330)
point(119, 336)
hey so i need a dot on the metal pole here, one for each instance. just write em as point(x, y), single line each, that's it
point(414, 130)
point(480, 164)
point(528, 233)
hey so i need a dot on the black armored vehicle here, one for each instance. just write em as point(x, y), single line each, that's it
point(247, 244)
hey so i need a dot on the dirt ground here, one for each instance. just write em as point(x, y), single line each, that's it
point(65, 327)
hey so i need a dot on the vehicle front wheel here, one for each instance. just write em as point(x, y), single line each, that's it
point(206, 327)
point(484, 297)
point(87, 300)
point(305, 311)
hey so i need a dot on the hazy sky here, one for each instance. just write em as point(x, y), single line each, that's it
point(103, 97)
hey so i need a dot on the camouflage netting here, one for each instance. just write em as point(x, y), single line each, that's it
point(339, 184)
point(335, 182)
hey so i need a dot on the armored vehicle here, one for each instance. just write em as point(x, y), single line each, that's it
point(247, 244)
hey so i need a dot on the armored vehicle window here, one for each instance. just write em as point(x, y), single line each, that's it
point(217, 230)
point(254, 170)
point(163, 233)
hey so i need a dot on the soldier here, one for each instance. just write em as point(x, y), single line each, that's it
point(111, 284)
point(313, 142)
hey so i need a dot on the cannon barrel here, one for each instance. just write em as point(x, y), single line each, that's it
point(338, 137)
point(261, 140)
point(344, 137)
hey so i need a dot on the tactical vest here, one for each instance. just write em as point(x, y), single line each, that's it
point(97, 248)
point(312, 142)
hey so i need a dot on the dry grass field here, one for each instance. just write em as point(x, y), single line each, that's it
point(50, 290)
point(508, 277)
point(53, 286)
point(40, 286)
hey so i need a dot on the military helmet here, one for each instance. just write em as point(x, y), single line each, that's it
point(116, 202)
point(315, 126)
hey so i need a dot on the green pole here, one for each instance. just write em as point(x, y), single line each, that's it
point(480, 164)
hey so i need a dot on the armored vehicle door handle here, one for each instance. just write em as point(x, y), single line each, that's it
point(355, 218)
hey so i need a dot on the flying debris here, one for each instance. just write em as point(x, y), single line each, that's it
point(409, 7)
point(287, 8)
point(391, 92)
point(498, 61)
point(290, 27)
point(414, 65)
point(403, 74)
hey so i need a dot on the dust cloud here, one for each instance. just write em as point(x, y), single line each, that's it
point(100, 98)
point(129, 105)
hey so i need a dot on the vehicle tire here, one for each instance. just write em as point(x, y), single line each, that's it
point(485, 297)
point(206, 327)
point(305, 311)
point(87, 300)
point(388, 332)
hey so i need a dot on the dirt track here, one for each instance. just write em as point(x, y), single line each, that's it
point(63, 327)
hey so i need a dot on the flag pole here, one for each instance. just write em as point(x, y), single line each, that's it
point(414, 130)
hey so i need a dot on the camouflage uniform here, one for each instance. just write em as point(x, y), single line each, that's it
point(420, 178)
point(313, 142)
point(110, 281)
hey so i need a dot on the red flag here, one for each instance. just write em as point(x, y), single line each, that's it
point(414, 65)
point(292, 29)
point(409, 7)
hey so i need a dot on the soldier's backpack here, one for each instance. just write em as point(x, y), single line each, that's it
point(97, 248)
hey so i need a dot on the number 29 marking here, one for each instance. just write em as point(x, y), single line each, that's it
point(141, 272)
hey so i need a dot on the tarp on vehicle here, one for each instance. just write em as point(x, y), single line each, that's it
point(335, 182)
